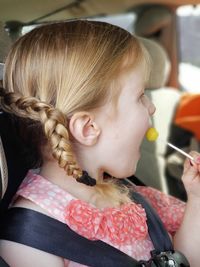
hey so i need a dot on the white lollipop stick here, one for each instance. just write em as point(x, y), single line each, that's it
point(178, 149)
point(152, 135)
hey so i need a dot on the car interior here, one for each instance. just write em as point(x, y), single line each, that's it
point(156, 22)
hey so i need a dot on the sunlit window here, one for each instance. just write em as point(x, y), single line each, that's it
point(125, 21)
point(188, 19)
point(26, 29)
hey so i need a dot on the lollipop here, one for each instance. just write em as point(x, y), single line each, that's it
point(152, 134)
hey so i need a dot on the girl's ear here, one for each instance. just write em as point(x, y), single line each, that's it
point(84, 129)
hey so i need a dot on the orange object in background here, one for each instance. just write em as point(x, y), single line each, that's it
point(188, 114)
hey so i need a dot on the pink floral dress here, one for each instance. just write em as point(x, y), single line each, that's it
point(124, 228)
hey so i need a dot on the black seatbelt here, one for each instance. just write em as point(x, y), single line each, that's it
point(157, 232)
point(39, 231)
point(3, 263)
point(42, 232)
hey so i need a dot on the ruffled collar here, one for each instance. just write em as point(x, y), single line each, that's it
point(119, 226)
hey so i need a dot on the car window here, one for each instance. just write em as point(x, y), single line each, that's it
point(188, 24)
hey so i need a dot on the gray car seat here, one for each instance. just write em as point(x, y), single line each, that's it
point(3, 171)
point(165, 100)
point(3, 164)
point(5, 43)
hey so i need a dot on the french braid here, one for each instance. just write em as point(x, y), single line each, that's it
point(54, 124)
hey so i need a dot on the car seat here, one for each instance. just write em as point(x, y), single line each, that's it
point(166, 100)
point(9, 146)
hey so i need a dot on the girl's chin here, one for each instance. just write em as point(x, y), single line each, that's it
point(126, 170)
point(124, 174)
point(130, 171)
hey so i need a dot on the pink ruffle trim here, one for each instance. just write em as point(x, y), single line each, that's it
point(118, 225)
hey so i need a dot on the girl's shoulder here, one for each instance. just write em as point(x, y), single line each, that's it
point(18, 255)
point(33, 191)
point(158, 198)
point(39, 194)
point(28, 204)
point(81, 216)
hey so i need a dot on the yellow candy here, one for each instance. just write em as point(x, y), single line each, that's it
point(152, 134)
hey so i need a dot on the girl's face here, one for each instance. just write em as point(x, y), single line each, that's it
point(124, 126)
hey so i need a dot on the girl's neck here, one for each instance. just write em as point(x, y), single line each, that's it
point(52, 172)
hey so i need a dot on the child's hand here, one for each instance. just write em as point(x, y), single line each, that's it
point(191, 176)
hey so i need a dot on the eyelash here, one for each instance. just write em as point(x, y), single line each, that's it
point(143, 94)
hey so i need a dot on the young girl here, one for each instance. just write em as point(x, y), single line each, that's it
point(77, 90)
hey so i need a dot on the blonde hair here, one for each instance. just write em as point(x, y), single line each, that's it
point(61, 68)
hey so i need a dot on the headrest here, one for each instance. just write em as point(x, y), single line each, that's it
point(5, 42)
point(152, 19)
point(1, 71)
point(3, 164)
point(160, 67)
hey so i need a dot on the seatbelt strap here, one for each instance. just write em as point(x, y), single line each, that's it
point(42, 232)
point(157, 232)
point(3, 263)
point(37, 230)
